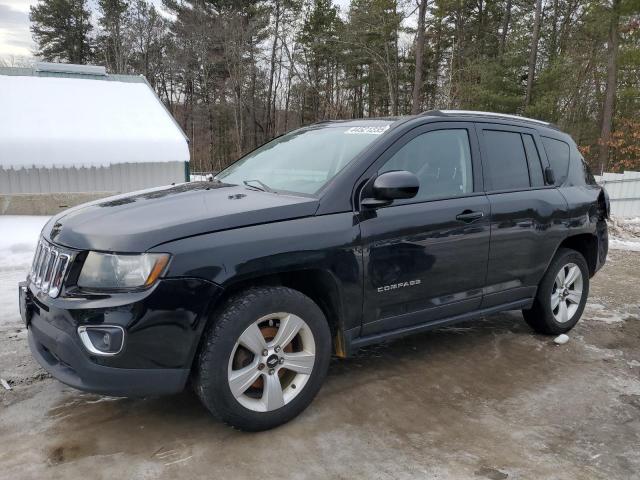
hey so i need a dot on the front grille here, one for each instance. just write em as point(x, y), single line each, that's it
point(50, 264)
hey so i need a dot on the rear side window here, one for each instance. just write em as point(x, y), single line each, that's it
point(558, 155)
point(505, 164)
point(533, 159)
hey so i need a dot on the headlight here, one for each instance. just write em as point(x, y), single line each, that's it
point(121, 271)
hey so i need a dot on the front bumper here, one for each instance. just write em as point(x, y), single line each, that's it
point(59, 355)
point(163, 327)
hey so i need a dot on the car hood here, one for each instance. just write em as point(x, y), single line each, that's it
point(138, 221)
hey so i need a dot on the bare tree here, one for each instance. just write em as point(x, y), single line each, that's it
point(533, 52)
point(611, 87)
point(506, 19)
point(417, 79)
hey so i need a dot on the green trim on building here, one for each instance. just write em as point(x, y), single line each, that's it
point(187, 172)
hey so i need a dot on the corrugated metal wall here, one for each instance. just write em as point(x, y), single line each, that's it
point(123, 177)
point(624, 193)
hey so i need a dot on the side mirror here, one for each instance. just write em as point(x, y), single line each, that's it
point(549, 176)
point(390, 186)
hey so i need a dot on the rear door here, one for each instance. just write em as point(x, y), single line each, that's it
point(526, 214)
point(426, 257)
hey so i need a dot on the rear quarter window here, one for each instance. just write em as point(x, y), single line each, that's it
point(588, 176)
point(558, 155)
point(583, 172)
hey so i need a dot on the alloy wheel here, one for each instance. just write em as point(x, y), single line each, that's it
point(567, 292)
point(271, 362)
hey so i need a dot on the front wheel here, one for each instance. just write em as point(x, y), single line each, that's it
point(264, 358)
point(562, 294)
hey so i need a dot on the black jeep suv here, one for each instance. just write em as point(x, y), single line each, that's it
point(329, 238)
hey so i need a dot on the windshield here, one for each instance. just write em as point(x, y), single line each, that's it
point(302, 161)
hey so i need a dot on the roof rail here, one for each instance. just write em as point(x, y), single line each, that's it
point(486, 114)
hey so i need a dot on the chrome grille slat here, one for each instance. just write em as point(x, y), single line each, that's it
point(50, 264)
point(58, 275)
point(36, 259)
point(49, 268)
point(43, 264)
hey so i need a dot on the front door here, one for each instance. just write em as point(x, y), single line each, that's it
point(425, 258)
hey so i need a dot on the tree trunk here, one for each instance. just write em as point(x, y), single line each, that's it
point(506, 19)
point(287, 101)
point(435, 66)
point(533, 53)
point(417, 79)
point(274, 46)
point(610, 90)
point(553, 41)
point(252, 95)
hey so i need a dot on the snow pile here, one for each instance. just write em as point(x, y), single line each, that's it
point(629, 245)
point(561, 339)
point(624, 234)
point(17, 244)
point(626, 228)
point(66, 122)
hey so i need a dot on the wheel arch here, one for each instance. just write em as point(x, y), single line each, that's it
point(318, 284)
point(587, 245)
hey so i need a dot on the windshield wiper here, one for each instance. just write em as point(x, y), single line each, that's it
point(262, 186)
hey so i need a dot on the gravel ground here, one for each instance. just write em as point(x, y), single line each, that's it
point(485, 399)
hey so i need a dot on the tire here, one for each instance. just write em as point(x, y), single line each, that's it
point(260, 319)
point(547, 318)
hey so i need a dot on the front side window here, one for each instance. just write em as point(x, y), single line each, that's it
point(441, 160)
point(505, 164)
point(558, 155)
point(304, 160)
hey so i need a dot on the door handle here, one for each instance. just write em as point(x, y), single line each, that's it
point(469, 216)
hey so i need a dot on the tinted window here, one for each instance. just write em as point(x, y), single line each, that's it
point(582, 166)
point(440, 159)
point(506, 164)
point(588, 176)
point(558, 155)
point(533, 158)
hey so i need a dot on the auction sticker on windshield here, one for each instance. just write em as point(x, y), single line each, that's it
point(367, 130)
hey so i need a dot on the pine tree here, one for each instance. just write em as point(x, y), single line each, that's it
point(113, 41)
point(61, 30)
point(320, 48)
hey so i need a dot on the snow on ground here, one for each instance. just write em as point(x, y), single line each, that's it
point(624, 234)
point(620, 244)
point(18, 240)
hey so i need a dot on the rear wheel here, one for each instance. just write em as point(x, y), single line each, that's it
point(264, 359)
point(562, 294)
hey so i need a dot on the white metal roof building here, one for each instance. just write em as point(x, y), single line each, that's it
point(72, 128)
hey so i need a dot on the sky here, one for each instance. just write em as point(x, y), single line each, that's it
point(15, 37)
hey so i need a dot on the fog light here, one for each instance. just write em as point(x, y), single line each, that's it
point(103, 339)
